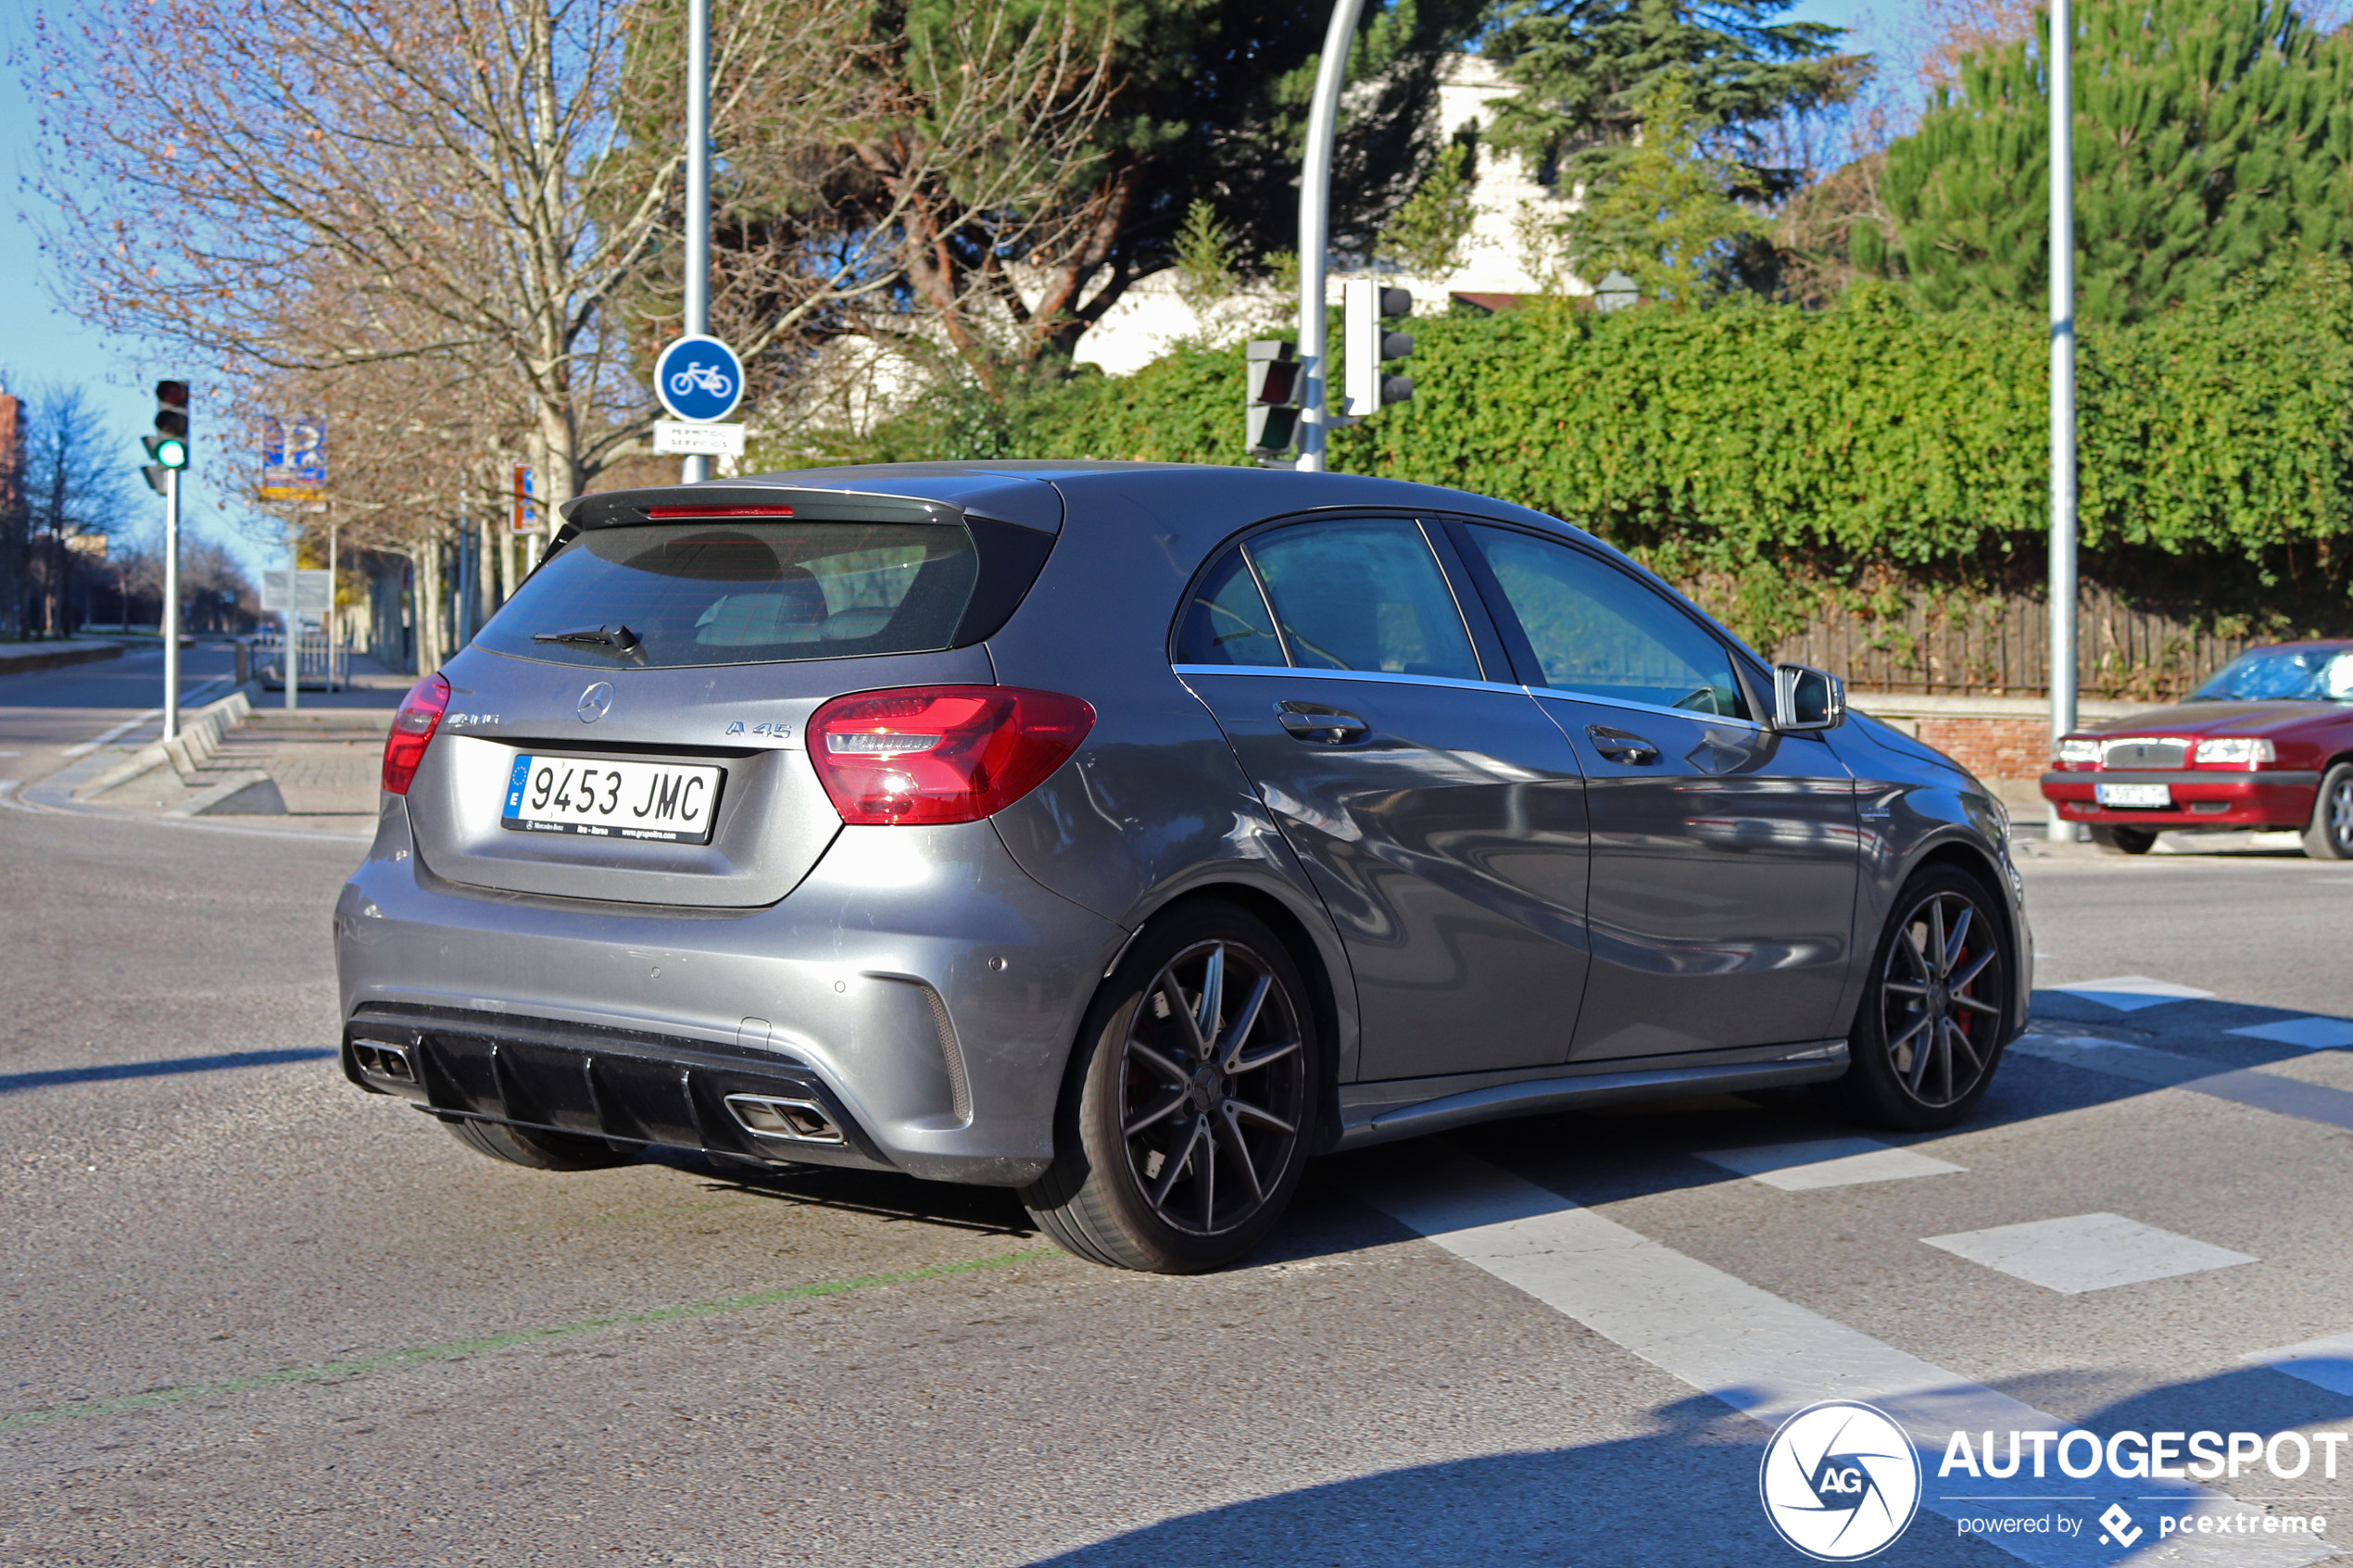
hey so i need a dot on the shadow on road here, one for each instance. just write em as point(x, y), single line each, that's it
point(879, 1195)
point(1685, 1493)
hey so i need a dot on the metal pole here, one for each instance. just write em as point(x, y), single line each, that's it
point(334, 616)
point(171, 604)
point(293, 662)
point(2062, 52)
point(1315, 229)
point(698, 190)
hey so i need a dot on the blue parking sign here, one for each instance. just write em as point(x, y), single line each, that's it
point(699, 379)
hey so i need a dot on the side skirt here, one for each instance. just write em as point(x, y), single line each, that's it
point(1811, 1061)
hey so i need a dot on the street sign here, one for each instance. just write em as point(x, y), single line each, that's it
point(314, 593)
point(699, 379)
point(698, 440)
point(522, 516)
point(294, 459)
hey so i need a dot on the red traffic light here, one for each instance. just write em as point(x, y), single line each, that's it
point(172, 411)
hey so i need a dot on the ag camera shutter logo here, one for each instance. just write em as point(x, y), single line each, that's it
point(1839, 1481)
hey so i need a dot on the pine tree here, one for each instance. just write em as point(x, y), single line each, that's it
point(2208, 134)
point(1666, 218)
point(1586, 69)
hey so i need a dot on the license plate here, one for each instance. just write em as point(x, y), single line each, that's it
point(2161, 796)
point(611, 797)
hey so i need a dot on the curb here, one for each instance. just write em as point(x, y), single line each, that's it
point(26, 663)
point(200, 737)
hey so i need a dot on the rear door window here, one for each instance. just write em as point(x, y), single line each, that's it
point(1227, 621)
point(664, 594)
point(1597, 631)
point(1351, 594)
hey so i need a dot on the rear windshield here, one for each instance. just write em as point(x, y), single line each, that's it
point(706, 593)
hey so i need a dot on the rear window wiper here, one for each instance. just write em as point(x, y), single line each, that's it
point(615, 639)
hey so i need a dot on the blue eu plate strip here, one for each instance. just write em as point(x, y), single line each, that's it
point(515, 783)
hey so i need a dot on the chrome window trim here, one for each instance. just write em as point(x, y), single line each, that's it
point(1383, 675)
point(1187, 669)
point(1648, 708)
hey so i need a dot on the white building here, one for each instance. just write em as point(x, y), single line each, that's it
point(1151, 318)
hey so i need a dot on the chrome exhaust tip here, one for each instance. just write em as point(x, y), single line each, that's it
point(388, 1064)
point(783, 1118)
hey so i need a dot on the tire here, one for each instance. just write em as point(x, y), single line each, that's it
point(1940, 980)
point(1179, 1148)
point(539, 1150)
point(2329, 836)
point(2122, 841)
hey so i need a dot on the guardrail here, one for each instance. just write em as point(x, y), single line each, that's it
point(324, 660)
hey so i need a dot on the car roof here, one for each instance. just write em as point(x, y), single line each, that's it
point(1033, 494)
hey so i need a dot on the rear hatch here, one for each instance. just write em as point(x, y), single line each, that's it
point(629, 726)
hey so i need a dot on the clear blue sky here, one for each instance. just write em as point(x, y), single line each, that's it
point(40, 343)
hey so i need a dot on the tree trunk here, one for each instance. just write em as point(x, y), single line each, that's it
point(425, 559)
point(485, 585)
point(555, 461)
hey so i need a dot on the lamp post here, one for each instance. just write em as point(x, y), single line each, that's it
point(1315, 229)
point(2063, 630)
point(697, 190)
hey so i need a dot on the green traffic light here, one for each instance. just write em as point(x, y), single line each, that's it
point(171, 454)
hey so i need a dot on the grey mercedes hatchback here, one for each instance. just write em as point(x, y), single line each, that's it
point(1128, 834)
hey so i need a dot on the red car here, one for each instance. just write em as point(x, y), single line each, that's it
point(2267, 743)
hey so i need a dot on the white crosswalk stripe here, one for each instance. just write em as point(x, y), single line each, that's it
point(1770, 1358)
point(1827, 1163)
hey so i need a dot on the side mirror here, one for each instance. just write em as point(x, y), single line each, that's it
point(1806, 700)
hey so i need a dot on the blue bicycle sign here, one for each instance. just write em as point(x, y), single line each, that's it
point(699, 379)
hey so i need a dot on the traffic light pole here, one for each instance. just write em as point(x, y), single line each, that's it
point(171, 604)
point(698, 190)
point(1315, 230)
point(2062, 589)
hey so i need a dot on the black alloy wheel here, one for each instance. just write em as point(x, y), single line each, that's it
point(2329, 835)
point(1189, 1120)
point(1932, 1026)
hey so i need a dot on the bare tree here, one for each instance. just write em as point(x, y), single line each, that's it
point(934, 207)
point(315, 185)
point(74, 490)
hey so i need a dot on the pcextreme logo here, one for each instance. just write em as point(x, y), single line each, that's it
point(1839, 1481)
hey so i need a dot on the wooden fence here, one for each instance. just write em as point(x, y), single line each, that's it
point(1999, 647)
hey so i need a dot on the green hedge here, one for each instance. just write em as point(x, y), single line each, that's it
point(1771, 456)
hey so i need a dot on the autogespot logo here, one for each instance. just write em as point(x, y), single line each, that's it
point(1839, 1481)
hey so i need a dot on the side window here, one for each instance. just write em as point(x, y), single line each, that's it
point(1596, 629)
point(1363, 594)
point(1227, 621)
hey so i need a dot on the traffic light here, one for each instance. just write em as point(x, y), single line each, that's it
point(1365, 343)
point(168, 444)
point(1272, 404)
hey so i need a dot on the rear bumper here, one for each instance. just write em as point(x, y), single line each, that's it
point(2202, 797)
point(917, 980)
point(610, 1083)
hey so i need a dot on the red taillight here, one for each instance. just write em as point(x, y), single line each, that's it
point(941, 754)
point(663, 514)
point(412, 729)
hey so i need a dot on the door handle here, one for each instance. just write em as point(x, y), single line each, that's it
point(1319, 725)
point(1617, 745)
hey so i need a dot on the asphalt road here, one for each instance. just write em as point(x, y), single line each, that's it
point(48, 717)
point(254, 1316)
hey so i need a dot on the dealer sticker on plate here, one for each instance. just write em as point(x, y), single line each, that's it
point(611, 797)
point(2159, 795)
